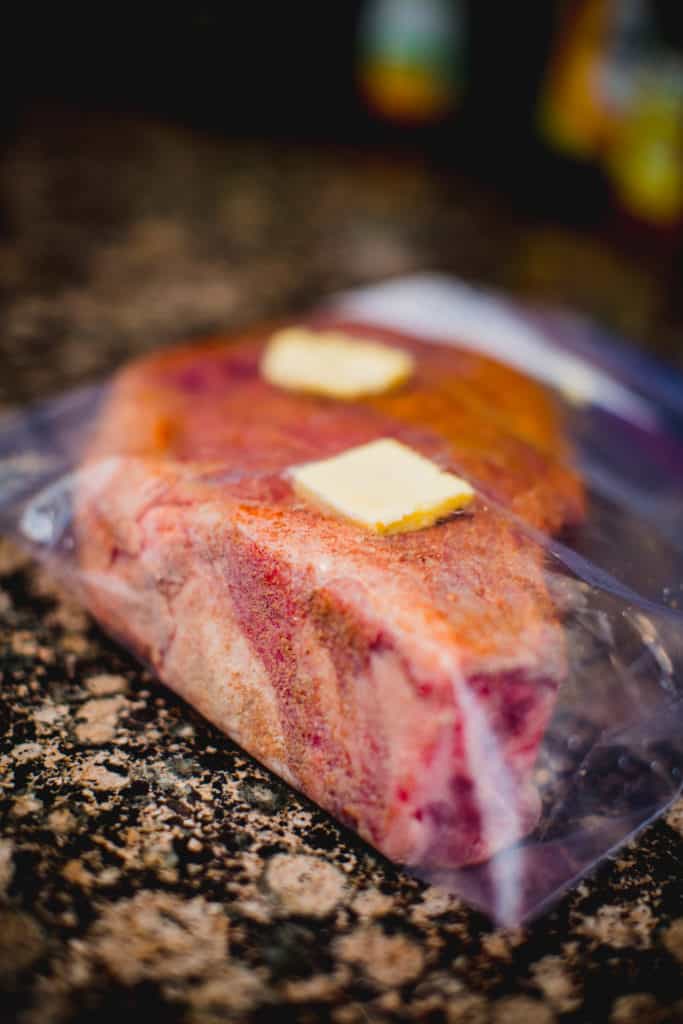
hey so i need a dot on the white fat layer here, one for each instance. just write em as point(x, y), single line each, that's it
point(213, 666)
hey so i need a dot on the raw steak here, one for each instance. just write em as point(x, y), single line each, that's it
point(403, 683)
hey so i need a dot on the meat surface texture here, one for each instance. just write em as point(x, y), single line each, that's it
point(403, 683)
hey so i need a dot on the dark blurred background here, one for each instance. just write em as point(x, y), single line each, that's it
point(534, 146)
point(509, 92)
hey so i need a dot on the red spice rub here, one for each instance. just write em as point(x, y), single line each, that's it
point(404, 683)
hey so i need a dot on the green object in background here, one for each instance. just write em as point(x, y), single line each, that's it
point(646, 158)
point(411, 57)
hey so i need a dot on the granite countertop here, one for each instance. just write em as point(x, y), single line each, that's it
point(148, 868)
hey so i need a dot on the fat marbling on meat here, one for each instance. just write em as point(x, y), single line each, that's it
point(403, 683)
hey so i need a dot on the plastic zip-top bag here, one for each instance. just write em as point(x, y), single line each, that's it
point(488, 690)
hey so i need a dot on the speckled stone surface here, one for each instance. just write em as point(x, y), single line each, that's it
point(148, 869)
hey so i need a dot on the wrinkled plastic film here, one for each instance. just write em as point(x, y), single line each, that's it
point(611, 756)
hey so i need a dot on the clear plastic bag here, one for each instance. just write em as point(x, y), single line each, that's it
point(554, 769)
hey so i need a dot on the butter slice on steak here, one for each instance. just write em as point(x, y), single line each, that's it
point(403, 683)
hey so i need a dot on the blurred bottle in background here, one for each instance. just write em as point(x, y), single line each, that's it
point(611, 108)
point(410, 64)
point(645, 159)
point(597, 49)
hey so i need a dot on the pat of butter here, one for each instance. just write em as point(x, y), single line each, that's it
point(383, 486)
point(333, 363)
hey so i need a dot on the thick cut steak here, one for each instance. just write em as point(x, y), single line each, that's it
point(403, 683)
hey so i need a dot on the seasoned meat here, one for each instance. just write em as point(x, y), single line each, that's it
point(404, 683)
